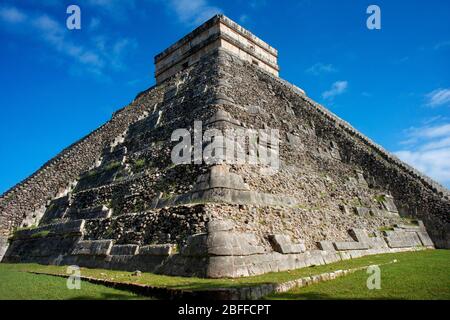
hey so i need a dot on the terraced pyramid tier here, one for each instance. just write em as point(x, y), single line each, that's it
point(117, 200)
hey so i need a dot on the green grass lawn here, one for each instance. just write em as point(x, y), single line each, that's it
point(416, 276)
point(193, 283)
point(16, 285)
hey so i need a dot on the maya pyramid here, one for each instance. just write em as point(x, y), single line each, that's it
point(116, 198)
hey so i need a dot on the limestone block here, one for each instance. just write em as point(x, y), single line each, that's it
point(3, 247)
point(406, 227)
point(196, 245)
point(99, 212)
point(225, 243)
point(253, 109)
point(356, 253)
point(220, 225)
point(93, 247)
point(360, 235)
point(363, 212)
point(283, 244)
point(315, 258)
point(402, 239)
point(223, 267)
point(343, 246)
point(158, 250)
point(326, 245)
point(126, 249)
point(425, 239)
point(377, 243)
point(75, 227)
point(388, 203)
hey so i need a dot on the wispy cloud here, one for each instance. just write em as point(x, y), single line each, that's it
point(94, 57)
point(12, 15)
point(441, 45)
point(118, 10)
point(428, 149)
point(94, 23)
point(320, 68)
point(192, 12)
point(337, 88)
point(438, 97)
point(244, 18)
point(257, 3)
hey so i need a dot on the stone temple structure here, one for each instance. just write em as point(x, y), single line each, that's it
point(115, 199)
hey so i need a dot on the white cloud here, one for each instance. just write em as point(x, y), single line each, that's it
point(441, 45)
point(193, 12)
point(257, 3)
point(429, 150)
point(12, 15)
point(320, 68)
point(243, 18)
point(118, 10)
point(94, 56)
point(434, 163)
point(94, 24)
point(438, 97)
point(339, 87)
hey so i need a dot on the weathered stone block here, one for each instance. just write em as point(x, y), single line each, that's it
point(3, 247)
point(283, 244)
point(388, 203)
point(377, 243)
point(360, 235)
point(125, 250)
point(363, 212)
point(400, 239)
point(220, 225)
point(158, 250)
point(75, 227)
point(99, 212)
point(93, 247)
point(196, 245)
point(343, 246)
point(425, 239)
point(326, 246)
point(225, 243)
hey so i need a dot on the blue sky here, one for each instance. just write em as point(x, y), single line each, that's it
point(392, 84)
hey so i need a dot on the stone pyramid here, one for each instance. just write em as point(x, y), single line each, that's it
point(116, 199)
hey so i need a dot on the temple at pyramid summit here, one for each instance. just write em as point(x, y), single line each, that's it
point(116, 199)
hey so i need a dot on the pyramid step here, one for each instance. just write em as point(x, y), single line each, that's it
point(72, 228)
point(98, 212)
point(93, 248)
point(125, 249)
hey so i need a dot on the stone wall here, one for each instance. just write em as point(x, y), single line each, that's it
point(217, 32)
point(271, 102)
